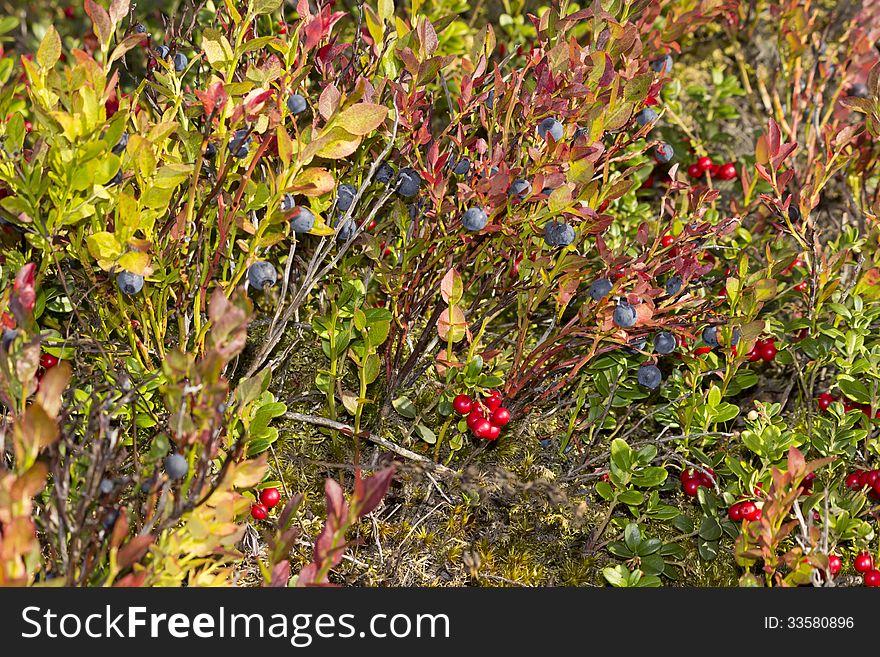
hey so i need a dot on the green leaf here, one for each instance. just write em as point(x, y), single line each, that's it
point(621, 454)
point(853, 389)
point(50, 49)
point(404, 407)
point(710, 530)
point(426, 434)
point(631, 497)
point(619, 549)
point(617, 576)
point(361, 119)
point(605, 491)
point(632, 537)
point(266, 6)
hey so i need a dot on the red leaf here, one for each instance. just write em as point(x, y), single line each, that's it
point(374, 489)
point(773, 138)
point(280, 574)
point(23, 294)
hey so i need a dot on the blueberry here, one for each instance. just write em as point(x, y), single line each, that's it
point(176, 466)
point(735, 336)
point(490, 99)
point(794, 213)
point(345, 196)
point(146, 486)
point(710, 336)
point(162, 52)
point(302, 220)
point(261, 274)
point(110, 519)
point(240, 143)
point(581, 132)
point(624, 315)
point(129, 284)
point(650, 376)
point(296, 104)
point(600, 289)
point(474, 219)
point(9, 336)
point(558, 233)
point(646, 116)
point(636, 345)
point(662, 64)
point(673, 285)
point(664, 152)
point(550, 126)
point(859, 90)
point(520, 188)
point(106, 487)
point(664, 343)
point(384, 173)
point(408, 182)
point(287, 203)
point(180, 62)
point(140, 28)
point(117, 179)
point(346, 230)
point(462, 167)
point(121, 144)
point(547, 191)
point(210, 151)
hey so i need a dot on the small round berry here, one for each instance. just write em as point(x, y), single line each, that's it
point(664, 343)
point(345, 196)
point(385, 173)
point(624, 315)
point(667, 241)
point(663, 152)
point(673, 285)
point(180, 62)
point(872, 578)
point(48, 361)
point(261, 274)
point(106, 487)
point(558, 233)
point(853, 481)
point(599, 289)
point(259, 512)
point(296, 104)
point(646, 116)
point(695, 171)
point(727, 171)
point(710, 336)
point(408, 182)
point(690, 487)
point(735, 512)
point(493, 432)
point(825, 400)
point(492, 401)
point(834, 564)
point(767, 352)
point(482, 428)
point(864, 562)
point(500, 416)
point(801, 287)
point(650, 376)
point(301, 219)
point(270, 497)
point(519, 189)
point(462, 404)
point(462, 167)
point(474, 417)
point(551, 127)
point(748, 510)
point(662, 64)
point(129, 284)
point(176, 466)
point(705, 163)
point(474, 219)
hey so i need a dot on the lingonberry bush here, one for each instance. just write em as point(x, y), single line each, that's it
point(537, 293)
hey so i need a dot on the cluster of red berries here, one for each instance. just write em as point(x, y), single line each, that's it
point(485, 418)
point(824, 400)
point(864, 564)
point(744, 510)
point(269, 499)
point(704, 165)
point(691, 480)
point(865, 479)
point(764, 350)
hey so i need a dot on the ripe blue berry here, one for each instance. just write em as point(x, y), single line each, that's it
point(346, 230)
point(129, 284)
point(474, 219)
point(162, 52)
point(176, 467)
point(664, 152)
point(117, 179)
point(581, 132)
point(180, 62)
point(649, 376)
point(408, 182)
point(636, 345)
point(646, 116)
point(384, 173)
point(345, 196)
point(121, 144)
point(662, 64)
point(673, 285)
point(462, 167)
point(301, 220)
point(240, 143)
point(710, 336)
point(140, 28)
point(490, 99)
point(210, 150)
point(664, 343)
point(859, 90)
point(550, 126)
point(296, 104)
point(261, 274)
point(624, 315)
point(558, 233)
point(519, 189)
point(106, 486)
point(600, 289)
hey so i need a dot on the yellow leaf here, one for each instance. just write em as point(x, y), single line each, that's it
point(363, 118)
point(50, 49)
point(136, 262)
point(337, 144)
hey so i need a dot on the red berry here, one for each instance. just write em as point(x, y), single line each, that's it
point(69, 12)
point(259, 512)
point(825, 400)
point(853, 481)
point(667, 240)
point(493, 432)
point(863, 478)
point(705, 163)
point(500, 416)
point(768, 352)
point(462, 404)
point(714, 169)
point(690, 487)
point(695, 171)
point(834, 564)
point(482, 428)
point(801, 287)
point(493, 401)
point(474, 417)
point(864, 562)
point(872, 578)
point(727, 171)
point(755, 516)
point(48, 361)
point(699, 351)
point(270, 497)
point(748, 510)
point(735, 512)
